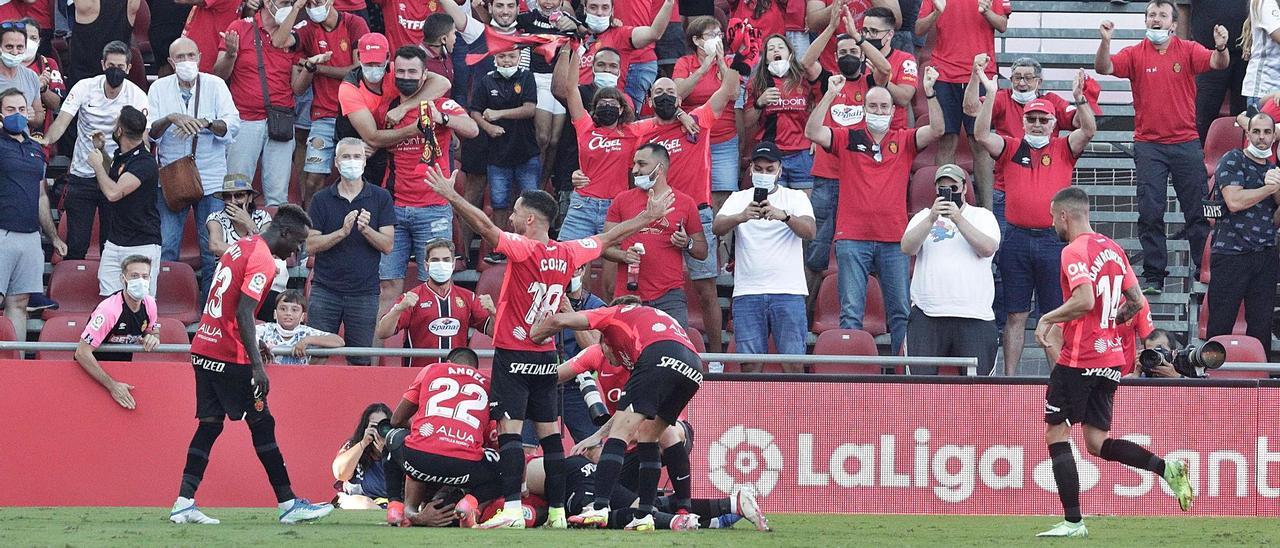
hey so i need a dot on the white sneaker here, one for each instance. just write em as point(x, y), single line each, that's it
point(748, 507)
point(505, 519)
point(185, 511)
point(640, 524)
point(590, 517)
point(301, 510)
point(715, 367)
point(1067, 529)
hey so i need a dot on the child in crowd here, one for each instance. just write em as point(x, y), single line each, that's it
point(289, 330)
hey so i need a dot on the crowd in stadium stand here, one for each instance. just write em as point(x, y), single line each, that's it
point(816, 162)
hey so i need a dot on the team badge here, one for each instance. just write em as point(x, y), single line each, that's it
point(518, 88)
point(893, 148)
point(258, 405)
point(343, 45)
point(458, 300)
point(857, 96)
point(433, 6)
point(1177, 67)
point(1045, 160)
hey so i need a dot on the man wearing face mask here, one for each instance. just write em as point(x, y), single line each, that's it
point(1035, 167)
point(97, 23)
point(606, 68)
point(768, 284)
point(95, 105)
point(1161, 70)
point(13, 72)
point(438, 314)
point(1244, 239)
point(503, 105)
point(627, 40)
point(188, 105)
point(127, 316)
point(130, 184)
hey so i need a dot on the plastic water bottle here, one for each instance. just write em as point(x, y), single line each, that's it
point(633, 270)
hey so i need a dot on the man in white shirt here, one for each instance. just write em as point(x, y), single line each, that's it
point(175, 117)
point(952, 289)
point(769, 223)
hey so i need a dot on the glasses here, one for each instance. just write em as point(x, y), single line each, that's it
point(710, 35)
point(868, 31)
point(1017, 78)
point(1038, 119)
point(13, 25)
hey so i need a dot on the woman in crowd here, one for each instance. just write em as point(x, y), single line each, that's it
point(778, 106)
point(358, 466)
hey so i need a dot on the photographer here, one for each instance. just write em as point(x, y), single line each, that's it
point(358, 467)
point(1164, 343)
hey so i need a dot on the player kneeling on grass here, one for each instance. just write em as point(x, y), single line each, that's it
point(446, 411)
point(1088, 369)
point(230, 378)
point(666, 373)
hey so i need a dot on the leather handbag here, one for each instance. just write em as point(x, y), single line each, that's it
point(279, 119)
point(180, 179)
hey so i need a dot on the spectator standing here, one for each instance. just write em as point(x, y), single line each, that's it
point(41, 14)
point(820, 15)
point(875, 170)
point(403, 20)
point(290, 329)
point(1244, 240)
point(24, 212)
point(502, 104)
point(607, 68)
point(1161, 70)
point(769, 288)
point(130, 185)
point(963, 29)
point(629, 41)
point(1262, 75)
point(438, 314)
point(127, 316)
point(778, 104)
point(1212, 87)
point(642, 70)
point(53, 87)
point(953, 287)
point(1035, 168)
point(208, 20)
point(13, 73)
point(697, 77)
point(98, 23)
point(94, 104)
point(239, 216)
point(549, 118)
point(353, 226)
point(189, 106)
point(877, 30)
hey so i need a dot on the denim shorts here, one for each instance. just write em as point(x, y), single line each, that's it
point(797, 170)
point(302, 110)
point(701, 269)
point(507, 182)
point(724, 165)
point(951, 99)
point(320, 145)
point(1030, 262)
point(585, 217)
point(415, 226)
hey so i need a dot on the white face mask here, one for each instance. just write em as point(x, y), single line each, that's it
point(575, 284)
point(1158, 36)
point(186, 70)
point(1259, 153)
point(766, 181)
point(1036, 141)
point(645, 182)
point(351, 170)
point(779, 68)
point(507, 72)
point(440, 272)
point(281, 14)
point(606, 80)
point(33, 48)
point(373, 74)
point(597, 23)
point(878, 123)
point(137, 288)
point(710, 45)
point(1023, 97)
point(10, 60)
point(318, 13)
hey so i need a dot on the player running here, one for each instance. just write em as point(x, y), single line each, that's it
point(524, 370)
point(1095, 275)
point(666, 373)
point(230, 379)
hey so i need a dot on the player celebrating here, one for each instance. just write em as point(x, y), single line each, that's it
point(524, 369)
point(666, 373)
point(1095, 274)
point(230, 378)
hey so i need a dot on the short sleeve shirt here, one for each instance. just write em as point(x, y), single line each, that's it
point(441, 321)
point(847, 111)
point(134, 218)
point(1092, 340)
point(536, 278)
point(453, 411)
point(247, 268)
point(1164, 88)
point(963, 33)
point(112, 322)
point(492, 91)
point(630, 329)
point(314, 39)
point(94, 113)
point(1250, 230)
point(874, 178)
point(272, 335)
point(1032, 177)
point(246, 84)
point(411, 156)
point(706, 86)
point(618, 38)
point(604, 155)
point(782, 121)
point(20, 182)
point(690, 171)
point(348, 268)
point(662, 265)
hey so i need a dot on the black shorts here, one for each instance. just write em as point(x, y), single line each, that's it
point(474, 155)
point(225, 389)
point(664, 380)
point(524, 386)
point(480, 477)
point(1081, 396)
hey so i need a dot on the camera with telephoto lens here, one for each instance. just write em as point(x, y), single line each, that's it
point(394, 436)
point(1191, 361)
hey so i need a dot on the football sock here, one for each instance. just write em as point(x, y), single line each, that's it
point(263, 432)
point(607, 470)
point(622, 497)
point(676, 459)
point(511, 465)
point(393, 471)
point(650, 470)
point(198, 457)
point(1131, 454)
point(1067, 478)
point(553, 464)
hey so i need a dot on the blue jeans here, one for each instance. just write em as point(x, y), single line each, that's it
point(506, 183)
point(755, 317)
point(172, 225)
point(640, 78)
point(356, 314)
point(724, 164)
point(799, 41)
point(252, 143)
point(415, 226)
point(320, 147)
point(797, 170)
point(825, 193)
point(585, 217)
point(857, 259)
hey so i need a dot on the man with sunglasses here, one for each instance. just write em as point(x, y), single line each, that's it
point(1035, 167)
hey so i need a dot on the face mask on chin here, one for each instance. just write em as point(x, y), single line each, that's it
point(1023, 97)
point(1036, 141)
point(1259, 153)
point(1158, 36)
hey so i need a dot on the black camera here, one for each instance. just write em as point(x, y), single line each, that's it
point(394, 436)
point(1191, 361)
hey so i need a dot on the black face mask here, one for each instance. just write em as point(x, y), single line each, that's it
point(850, 66)
point(407, 86)
point(115, 76)
point(877, 43)
point(115, 136)
point(606, 115)
point(664, 106)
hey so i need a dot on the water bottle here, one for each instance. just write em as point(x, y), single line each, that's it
point(633, 270)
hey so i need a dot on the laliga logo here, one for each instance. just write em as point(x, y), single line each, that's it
point(747, 460)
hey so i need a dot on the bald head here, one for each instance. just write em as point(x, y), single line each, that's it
point(663, 85)
point(183, 50)
point(1261, 120)
point(879, 101)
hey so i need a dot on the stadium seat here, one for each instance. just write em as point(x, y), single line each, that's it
point(927, 159)
point(695, 337)
point(177, 293)
point(1203, 320)
point(394, 341)
point(95, 241)
point(826, 315)
point(189, 252)
point(595, 279)
point(846, 342)
point(923, 192)
point(481, 264)
point(411, 276)
point(1223, 136)
point(62, 328)
point(7, 334)
point(694, 307)
point(172, 331)
point(490, 282)
point(480, 341)
point(74, 284)
point(1241, 348)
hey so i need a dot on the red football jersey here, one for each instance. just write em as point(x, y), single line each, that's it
point(690, 170)
point(441, 321)
point(847, 110)
point(1093, 340)
point(453, 411)
point(1136, 329)
point(630, 329)
point(246, 268)
point(1164, 88)
point(535, 281)
point(610, 378)
point(605, 156)
point(411, 156)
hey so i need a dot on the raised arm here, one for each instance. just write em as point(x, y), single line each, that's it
point(982, 125)
point(997, 21)
point(925, 136)
point(1102, 59)
point(473, 216)
point(1080, 137)
point(813, 127)
point(1221, 58)
point(729, 82)
point(564, 81)
point(971, 101)
point(643, 36)
point(810, 59)
point(925, 24)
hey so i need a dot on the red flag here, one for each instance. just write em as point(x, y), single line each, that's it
point(545, 44)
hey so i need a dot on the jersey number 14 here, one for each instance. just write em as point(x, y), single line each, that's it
point(1108, 291)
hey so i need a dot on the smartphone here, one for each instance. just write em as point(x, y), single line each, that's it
point(947, 194)
point(760, 196)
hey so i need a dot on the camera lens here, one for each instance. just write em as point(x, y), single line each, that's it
point(1149, 358)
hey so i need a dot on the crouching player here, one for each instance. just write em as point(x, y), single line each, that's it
point(446, 411)
point(666, 373)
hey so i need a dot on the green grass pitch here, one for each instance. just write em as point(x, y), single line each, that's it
point(140, 527)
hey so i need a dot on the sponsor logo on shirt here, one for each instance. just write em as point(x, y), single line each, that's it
point(672, 145)
point(409, 24)
point(258, 282)
point(445, 327)
point(846, 115)
point(600, 142)
point(210, 331)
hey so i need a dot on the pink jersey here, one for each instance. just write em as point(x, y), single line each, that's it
point(1093, 340)
point(113, 323)
point(535, 281)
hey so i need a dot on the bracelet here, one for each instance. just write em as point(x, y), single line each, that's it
point(1223, 48)
point(1082, 102)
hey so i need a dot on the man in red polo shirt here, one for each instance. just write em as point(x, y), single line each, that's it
point(875, 170)
point(1162, 72)
point(1035, 167)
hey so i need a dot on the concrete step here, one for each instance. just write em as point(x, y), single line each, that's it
point(1063, 6)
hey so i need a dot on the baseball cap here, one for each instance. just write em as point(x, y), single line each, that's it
point(373, 48)
point(768, 151)
point(950, 171)
point(1039, 104)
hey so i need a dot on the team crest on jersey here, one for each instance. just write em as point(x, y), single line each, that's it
point(588, 243)
point(518, 89)
point(458, 300)
point(893, 148)
point(1045, 160)
point(258, 282)
point(344, 45)
point(1177, 67)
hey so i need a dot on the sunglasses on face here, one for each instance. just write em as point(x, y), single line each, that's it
point(1039, 119)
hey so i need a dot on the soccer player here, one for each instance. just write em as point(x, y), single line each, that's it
point(524, 369)
point(666, 373)
point(444, 444)
point(1095, 274)
point(230, 378)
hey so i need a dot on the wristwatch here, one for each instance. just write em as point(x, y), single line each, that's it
point(444, 119)
point(688, 246)
point(786, 219)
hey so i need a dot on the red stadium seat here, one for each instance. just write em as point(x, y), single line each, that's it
point(490, 282)
point(1203, 321)
point(1223, 135)
point(846, 342)
point(171, 332)
point(7, 334)
point(411, 276)
point(923, 192)
point(695, 337)
point(189, 252)
point(61, 328)
point(394, 341)
point(481, 264)
point(95, 239)
point(694, 307)
point(74, 284)
point(1206, 259)
point(1241, 348)
point(826, 315)
point(177, 293)
point(927, 158)
point(480, 341)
